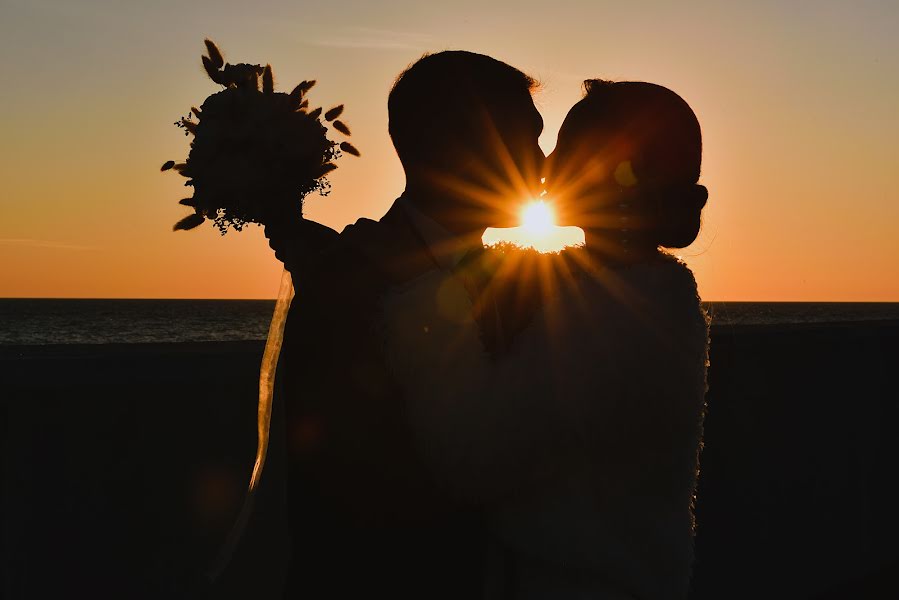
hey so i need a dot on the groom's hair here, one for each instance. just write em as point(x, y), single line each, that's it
point(439, 102)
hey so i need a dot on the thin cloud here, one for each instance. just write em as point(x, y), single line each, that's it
point(42, 244)
point(374, 39)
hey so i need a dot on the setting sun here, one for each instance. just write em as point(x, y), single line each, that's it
point(537, 218)
point(538, 230)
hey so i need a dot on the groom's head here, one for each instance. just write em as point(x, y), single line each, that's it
point(465, 128)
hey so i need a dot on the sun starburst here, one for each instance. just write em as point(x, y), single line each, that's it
point(538, 230)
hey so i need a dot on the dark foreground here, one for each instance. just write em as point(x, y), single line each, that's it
point(124, 465)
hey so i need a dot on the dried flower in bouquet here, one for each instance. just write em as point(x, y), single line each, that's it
point(256, 153)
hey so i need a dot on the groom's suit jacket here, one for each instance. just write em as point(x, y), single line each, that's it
point(366, 516)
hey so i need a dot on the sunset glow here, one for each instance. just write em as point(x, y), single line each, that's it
point(86, 212)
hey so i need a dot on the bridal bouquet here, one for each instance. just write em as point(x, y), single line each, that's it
point(256, 153)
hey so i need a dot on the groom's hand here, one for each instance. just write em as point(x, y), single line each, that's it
point(297, 242)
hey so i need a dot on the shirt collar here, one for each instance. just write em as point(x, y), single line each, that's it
point(447, 248)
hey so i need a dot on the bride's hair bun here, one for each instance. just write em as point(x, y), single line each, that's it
point(679, 215)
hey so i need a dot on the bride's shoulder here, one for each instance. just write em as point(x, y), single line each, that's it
point(672, 278)
point(653, 294)
point(669, 274)
point(663, 273)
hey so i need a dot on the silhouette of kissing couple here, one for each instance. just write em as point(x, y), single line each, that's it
point(464, 422)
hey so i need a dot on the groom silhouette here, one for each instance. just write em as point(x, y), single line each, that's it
point(366, 515)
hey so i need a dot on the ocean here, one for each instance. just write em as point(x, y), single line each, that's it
point(52, 321)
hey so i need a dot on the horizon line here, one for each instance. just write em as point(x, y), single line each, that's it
point(704, 301)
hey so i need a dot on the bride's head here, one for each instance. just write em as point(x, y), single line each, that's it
point(628, 157)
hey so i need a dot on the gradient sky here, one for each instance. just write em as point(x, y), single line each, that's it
point(799, 104)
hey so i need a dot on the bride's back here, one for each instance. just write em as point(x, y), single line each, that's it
point(624, 349)
point(623, 355)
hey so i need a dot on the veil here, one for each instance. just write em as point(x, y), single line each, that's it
point(263, 421)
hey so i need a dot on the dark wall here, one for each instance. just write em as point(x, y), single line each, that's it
point(798, 489)
point(124, 467)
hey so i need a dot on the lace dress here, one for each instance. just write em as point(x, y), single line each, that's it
point(582, 440)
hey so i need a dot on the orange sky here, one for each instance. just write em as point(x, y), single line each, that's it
point(798, 107)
